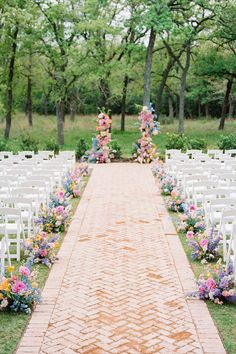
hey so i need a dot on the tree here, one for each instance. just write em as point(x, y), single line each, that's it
point(58, 31)
point(219, 65)
point(225, 37)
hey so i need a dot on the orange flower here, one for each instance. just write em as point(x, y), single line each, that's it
point(5, 285)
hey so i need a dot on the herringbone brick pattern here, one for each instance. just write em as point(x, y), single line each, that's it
point(117, 287)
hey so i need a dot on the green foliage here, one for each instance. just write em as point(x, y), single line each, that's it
point(182, 142)
point(28, 143)
point(176, 141)
point(81, 148)
point(115, 149)
point(227, 142)
point(3, 145)
point(52, 145)
point(198, 144)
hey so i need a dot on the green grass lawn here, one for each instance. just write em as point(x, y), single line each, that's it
point(84, 127)
point(224, 316)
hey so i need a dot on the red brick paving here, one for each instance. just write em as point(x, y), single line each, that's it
point(120, 283)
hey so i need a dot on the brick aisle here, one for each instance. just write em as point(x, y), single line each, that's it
point(120, 283)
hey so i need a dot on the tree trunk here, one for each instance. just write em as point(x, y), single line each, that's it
point(73, 107)
point(11, 68)
point(171, 107)
point(225, 103)
point(123, 102)
point(72, 114)
point(105, 94)
point(206, 110)
point(29, 103)
point(176, 111)
point(148, 68)
point(182, 89)
point(161, 87)
point(199, 109)
point(60, 121)
point(231, 106)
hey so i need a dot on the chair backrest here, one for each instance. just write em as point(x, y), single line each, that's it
point(6, 211)
point(25, 192)
point(223, 202)
point(33, 184)
point(217, 192)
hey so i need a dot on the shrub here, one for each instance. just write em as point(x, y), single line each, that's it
point(28, 143)
point(176, 141)
point(81, 148)
point(52, 145)
point(198, 144)
point(3, 145)
point(115, 149)
point(227, 142)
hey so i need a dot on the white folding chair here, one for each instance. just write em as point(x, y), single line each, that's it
point(29, 193)
point(217, 206)
point(231, 251)
point(201, 189)
point(27, 210)
point(10, 218)
point(4, 249)
point(225, 228)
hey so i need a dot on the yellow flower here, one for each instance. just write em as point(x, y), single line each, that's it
point(1, 296)
point(34, 285)
point(56, 244)
point(5, 285)
point(10, 269)
point(38, 238)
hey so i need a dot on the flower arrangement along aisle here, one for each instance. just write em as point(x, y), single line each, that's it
point(53, 220)
point(158, 169)
point(72, 183)
point(176, 202)
point(217, 285)
point(192, 220)
point(167, 184)
point(19, 292)
point(145, 150)
point(100, 152)
point(41, 248)
point(204, 245)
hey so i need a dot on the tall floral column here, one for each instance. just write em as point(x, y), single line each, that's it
point(100, 152)
point(145, 150)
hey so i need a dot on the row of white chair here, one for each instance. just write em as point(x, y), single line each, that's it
point(211, 186)
point(22, 192)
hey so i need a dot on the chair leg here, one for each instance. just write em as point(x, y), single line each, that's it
point(2, 259)
point(18, 244)
point(8, 249)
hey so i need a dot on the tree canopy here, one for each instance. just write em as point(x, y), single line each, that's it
point(78, 56)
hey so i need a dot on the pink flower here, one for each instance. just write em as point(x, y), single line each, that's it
point(201, 289)
point(60, 194)
point(225, 293)
point(43, 234)
point(183, 217)
point(211, 283)
point(19, 287)
point(59, 209)
point(203, 242)
point(190, 234)
point(24, 271)
point(43, 253)
point(192, 208)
